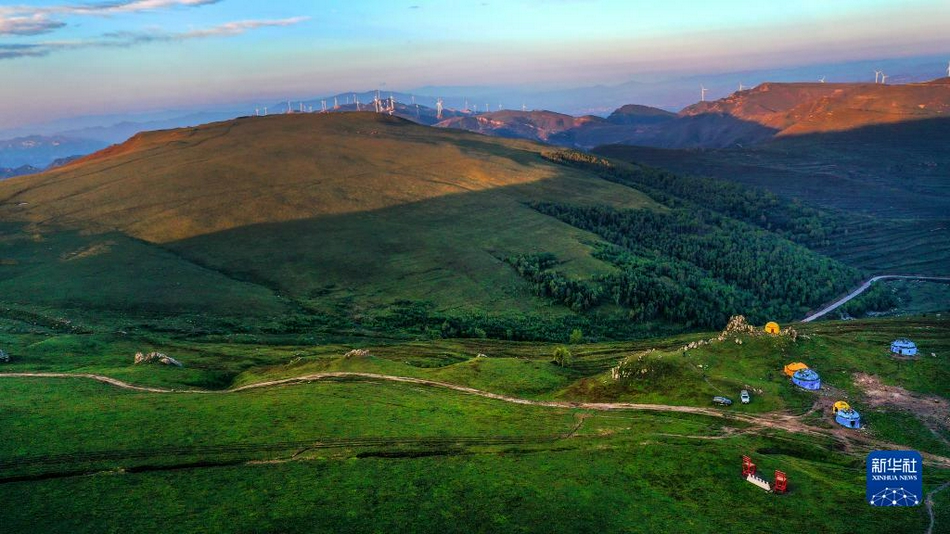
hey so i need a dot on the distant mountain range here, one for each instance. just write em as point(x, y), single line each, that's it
point(745, 117)
point(23, 170)
point(39, 151)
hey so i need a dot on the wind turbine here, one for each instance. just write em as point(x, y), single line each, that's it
point(822, 79)
point(265, 111)
point(948, 69)
point(324, 104)
point(702, 96)
point(883, 78)
point(524, 107)
point(257, 112)
point(741, 87)
point(438, 109)
point(877, 75)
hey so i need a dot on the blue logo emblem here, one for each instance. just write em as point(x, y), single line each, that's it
point(895, 478)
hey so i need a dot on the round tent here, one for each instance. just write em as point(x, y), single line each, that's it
point(807, 379)
point(903, 347)
point(794, 366)
point(846, 416)
point(772, 328)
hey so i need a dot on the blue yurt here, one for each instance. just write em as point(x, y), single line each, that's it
point(848, 418)
point(903, 347)
point(807, 379)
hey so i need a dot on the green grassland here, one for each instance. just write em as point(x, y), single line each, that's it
point(363, 455)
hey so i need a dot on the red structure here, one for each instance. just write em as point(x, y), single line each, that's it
point(781, 482)
point(748, 468)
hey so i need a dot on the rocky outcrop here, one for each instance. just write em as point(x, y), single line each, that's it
point(357, 353)
point(156, 357)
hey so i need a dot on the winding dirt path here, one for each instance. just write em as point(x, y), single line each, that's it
point(852, 441)
point(780, 421)
point(864, 288)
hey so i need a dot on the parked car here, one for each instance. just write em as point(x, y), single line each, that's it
point(744, 396)
point(724, 401)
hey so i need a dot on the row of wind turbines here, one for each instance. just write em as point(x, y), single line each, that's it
point(879, 77)
point(379, 105)
point(389, 105)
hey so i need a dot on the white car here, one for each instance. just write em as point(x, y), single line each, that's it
point(744, 396)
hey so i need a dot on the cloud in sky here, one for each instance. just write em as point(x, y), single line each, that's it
point(33, 24)
point(35, 20)
point(127, 39)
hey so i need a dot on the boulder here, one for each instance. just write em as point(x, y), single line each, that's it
point(156, 357)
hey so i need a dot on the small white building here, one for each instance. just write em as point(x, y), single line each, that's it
point(903, 347)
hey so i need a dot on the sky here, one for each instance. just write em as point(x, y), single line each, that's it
point(61, 59)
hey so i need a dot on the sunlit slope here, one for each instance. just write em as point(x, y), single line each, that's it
point(350, 211)
point(804, 108)
point(169, 185)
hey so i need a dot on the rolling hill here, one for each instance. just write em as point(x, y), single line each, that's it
point(533, 125)
point(368, 222)
point(789, 109)
point(323, 208)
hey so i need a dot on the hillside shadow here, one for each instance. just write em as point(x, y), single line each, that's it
point(710, 130)
point(890, 170)
point(449, 249)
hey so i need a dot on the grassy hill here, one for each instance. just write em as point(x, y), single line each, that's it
point(366, 223)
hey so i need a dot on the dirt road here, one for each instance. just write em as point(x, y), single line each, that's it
point(865, 286)
point(790, 423)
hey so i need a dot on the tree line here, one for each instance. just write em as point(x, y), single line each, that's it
point(693, 267)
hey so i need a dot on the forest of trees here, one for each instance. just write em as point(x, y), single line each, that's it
point(788, 218)
point(692, 267)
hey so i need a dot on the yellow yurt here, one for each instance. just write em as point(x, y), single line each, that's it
point(795, 366)
point(772, 328)
point(841, 406)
